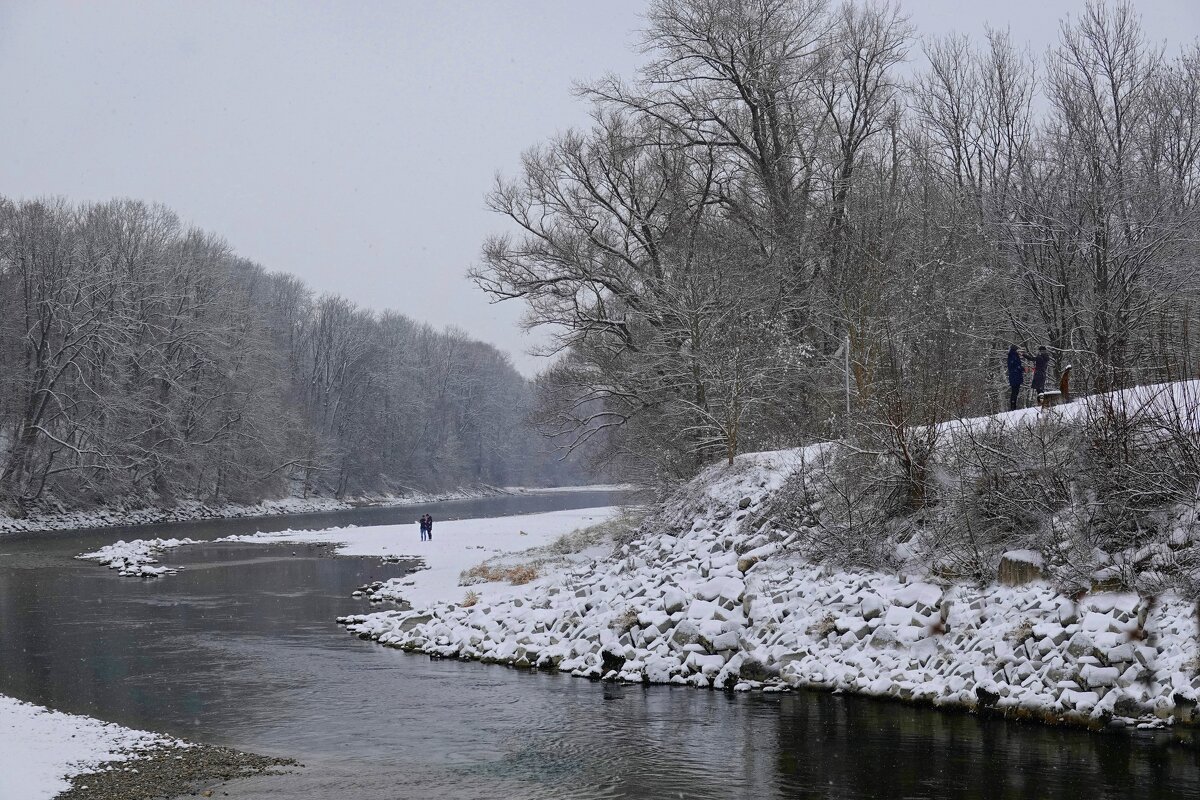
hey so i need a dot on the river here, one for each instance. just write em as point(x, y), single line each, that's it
point(241, 649)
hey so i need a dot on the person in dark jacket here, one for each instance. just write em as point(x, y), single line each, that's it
point(1040, 362)
point(1016, 376)
point(424, 527)
point(429, 526)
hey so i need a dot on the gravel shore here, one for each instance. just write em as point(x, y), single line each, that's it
point(167, 772)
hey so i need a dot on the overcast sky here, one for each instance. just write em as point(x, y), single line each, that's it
point(348, 143)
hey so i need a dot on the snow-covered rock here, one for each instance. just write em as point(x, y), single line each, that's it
point(136, 559)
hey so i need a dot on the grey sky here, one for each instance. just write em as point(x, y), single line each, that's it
point(348, 143)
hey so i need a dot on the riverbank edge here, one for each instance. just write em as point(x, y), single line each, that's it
point(708, 596)
point(169, 771)
point(193, 512)
point(54, 754)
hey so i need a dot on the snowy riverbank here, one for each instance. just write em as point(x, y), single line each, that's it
point(187, 511)
point(41, 750)
point(457, 547)
point(712, 598)
point(48, 754)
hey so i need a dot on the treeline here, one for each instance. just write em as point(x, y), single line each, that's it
point(780, 182)
point(143, 360)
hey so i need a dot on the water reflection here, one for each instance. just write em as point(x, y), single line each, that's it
point(239, 648)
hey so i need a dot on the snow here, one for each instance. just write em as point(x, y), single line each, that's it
point(41, 749)
point(1162, 400)
point(457, 546)
point(587, 487)
point(1026, 557)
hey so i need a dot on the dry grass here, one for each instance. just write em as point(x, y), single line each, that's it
point(536, 561)
point(618, 528)
point(1020, 633)
point(625, 622)
point(516, 574)
point(824, 627)
point(470, 599)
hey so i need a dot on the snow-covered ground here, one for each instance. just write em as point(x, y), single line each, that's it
point(587, 487)
point(457, 546)
point(41, 749)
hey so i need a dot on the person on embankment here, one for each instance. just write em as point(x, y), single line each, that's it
point(1040, 362)
point(1016, 376)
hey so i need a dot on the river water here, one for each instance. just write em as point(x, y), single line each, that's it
point(240, 649)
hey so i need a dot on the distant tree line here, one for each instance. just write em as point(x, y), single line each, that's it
point(776, 184)
point(143, 360)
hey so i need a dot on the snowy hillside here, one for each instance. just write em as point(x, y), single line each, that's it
point(735, 583)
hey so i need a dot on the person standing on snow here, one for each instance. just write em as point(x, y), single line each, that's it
point(429, 526)
point(1016, 376)
point(424, 526)
point(1040, 362)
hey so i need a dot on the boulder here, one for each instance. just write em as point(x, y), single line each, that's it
point(415, 620)
point(674, 600)
point(686, 633)
point(752, 669)
point(1080, 645)
point(611, 662)
point(872, 607)
point(1094, 677)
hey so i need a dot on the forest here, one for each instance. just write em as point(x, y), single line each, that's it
point(803, 220)
point(143, 361)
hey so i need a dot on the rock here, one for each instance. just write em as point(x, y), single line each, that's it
point(925, 596)
point(415, 620)
point(853, 625)
point(1080, 645)
point(1185, 708)
point(1127, 706)
point(985, 697)
point(674, 600)
point(1093, 676)
point(724, 641)
point(752, 669)
point(686, 633)
point(881, 638)
point(744, 564)
point(1018, 567)
point(611, 662)
point(897, 616)
point(872, 607)
point(744, 502)
point(1120, 654)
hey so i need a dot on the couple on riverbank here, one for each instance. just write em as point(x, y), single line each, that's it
point(426, 528)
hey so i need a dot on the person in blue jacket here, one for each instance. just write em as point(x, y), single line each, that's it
point(1016, 376)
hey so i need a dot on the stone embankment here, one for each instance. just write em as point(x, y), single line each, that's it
point(722, 604)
